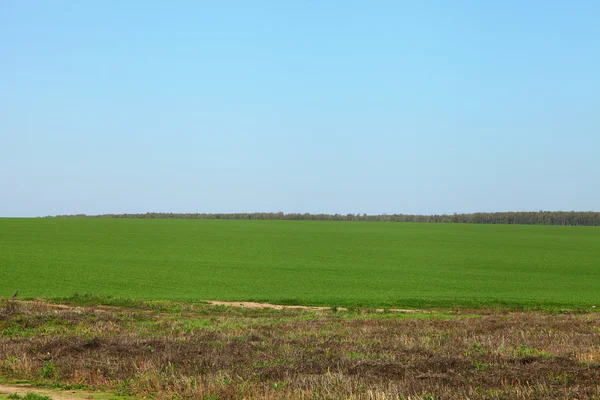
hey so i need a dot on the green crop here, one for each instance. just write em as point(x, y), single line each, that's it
point(302, 262)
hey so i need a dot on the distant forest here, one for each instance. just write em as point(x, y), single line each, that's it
point(574, 218)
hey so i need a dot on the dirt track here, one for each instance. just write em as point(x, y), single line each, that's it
point(251, 304)
point(22, 390)
point(245, 304)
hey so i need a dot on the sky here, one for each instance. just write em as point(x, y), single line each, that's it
point(299, 106)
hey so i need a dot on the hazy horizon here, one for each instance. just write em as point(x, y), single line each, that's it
point(339, 107)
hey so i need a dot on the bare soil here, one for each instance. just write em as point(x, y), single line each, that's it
point(251, 304)
point(23, 389)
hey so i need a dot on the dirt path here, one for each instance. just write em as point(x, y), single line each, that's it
point(245, 304)
point(23, 389)
point(251, 304)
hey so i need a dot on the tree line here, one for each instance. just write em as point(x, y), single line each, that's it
point(571, 218)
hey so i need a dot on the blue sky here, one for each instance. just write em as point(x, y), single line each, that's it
point(306, 106)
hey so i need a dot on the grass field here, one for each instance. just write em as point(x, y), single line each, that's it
point(302, 262)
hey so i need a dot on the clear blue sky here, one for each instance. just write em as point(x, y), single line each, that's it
point(299, 106)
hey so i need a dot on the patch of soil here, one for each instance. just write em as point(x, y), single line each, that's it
point(23, 389)
point(252, 304)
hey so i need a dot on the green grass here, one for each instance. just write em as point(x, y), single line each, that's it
point(303, 262)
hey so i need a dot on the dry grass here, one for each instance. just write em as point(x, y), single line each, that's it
point(211, 352)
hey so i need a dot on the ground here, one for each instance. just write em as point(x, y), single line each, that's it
point(168, 350)
point(8, 391)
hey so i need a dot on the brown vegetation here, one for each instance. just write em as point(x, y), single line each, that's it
point(193, 351)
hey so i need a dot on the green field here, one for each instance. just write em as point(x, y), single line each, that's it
point(302, 262)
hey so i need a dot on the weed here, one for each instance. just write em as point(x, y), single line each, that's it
point(479, 366)
point(525, 351)
point(48, 370)
point(354, 355)
point(123, 389)
point(562, 379)
point(29, 396)
point(11, 359)
point(477, 348)
point(34, 396)
point(69, 386)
